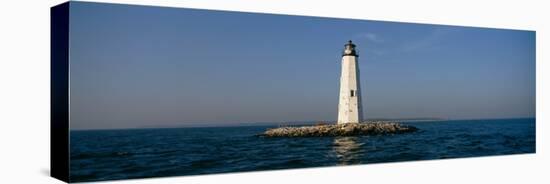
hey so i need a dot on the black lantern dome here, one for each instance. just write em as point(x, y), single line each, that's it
point(349, 50)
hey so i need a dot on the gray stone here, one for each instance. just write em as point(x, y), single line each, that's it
point(347, 129)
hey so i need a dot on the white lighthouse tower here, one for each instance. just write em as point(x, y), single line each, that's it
point(349, 106)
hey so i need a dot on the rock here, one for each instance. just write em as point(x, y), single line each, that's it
point(348, 129)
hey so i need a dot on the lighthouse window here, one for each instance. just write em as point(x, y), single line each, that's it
point(352, 93)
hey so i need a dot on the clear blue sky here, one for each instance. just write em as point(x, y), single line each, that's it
point(136, 66)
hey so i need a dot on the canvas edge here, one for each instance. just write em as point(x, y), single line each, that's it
point(59, 92)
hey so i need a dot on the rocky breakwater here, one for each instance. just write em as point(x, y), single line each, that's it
point(347, 129)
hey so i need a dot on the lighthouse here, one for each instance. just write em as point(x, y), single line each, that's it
point(349, 105)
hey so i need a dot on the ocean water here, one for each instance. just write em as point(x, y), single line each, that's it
point(140, 153)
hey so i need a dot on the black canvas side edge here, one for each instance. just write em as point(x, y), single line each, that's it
point(59, 92)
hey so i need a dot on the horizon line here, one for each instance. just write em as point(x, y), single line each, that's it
point(243, 124)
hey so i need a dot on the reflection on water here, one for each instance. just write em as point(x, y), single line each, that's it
point(348, 150)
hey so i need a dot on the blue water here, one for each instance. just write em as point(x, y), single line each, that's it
point(140, 153)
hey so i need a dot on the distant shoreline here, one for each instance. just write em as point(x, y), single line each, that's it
point(408, 119)
point(295, 123)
